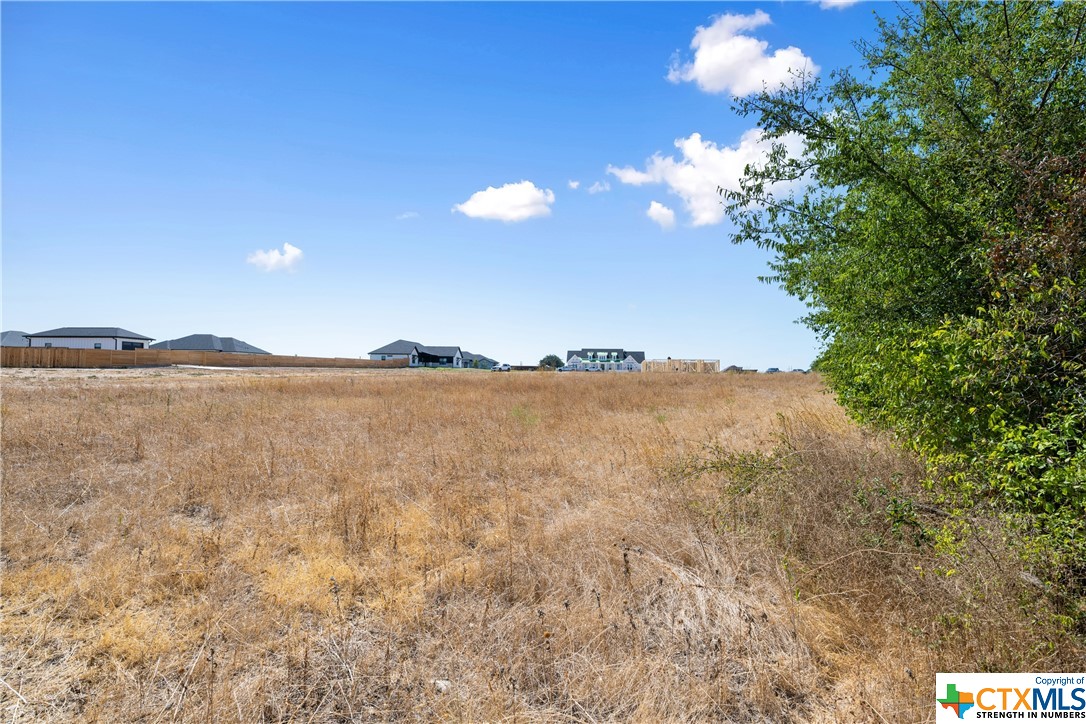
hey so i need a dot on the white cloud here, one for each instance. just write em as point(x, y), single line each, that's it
point(726, 60)
point(630, 176)
point(275, 260)
point(511, 202)
point(703, 167)
point(408, 215)
point(836, 4)
point(662, 215)
point(574, 184)
point(599, 187)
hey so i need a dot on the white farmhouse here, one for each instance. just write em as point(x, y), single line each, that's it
point(607, 359)
point(89, 338)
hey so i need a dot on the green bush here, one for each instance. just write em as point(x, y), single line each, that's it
point(935, 223)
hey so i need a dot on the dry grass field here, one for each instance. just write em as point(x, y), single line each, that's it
point(189, 545)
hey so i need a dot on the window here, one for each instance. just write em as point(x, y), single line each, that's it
point(48, 344)
point(98, 345)
point(383, 358)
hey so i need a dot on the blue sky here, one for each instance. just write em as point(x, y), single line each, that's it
point(326, 178)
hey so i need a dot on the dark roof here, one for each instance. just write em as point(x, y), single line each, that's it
point(89, 332)
point(472, 357)
point(400, 346)
point(438, 351)
point(13, 338)
point(229, 344)
point(639, 357)
point(209, 343)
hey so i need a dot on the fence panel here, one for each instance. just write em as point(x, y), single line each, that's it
point(105, 358)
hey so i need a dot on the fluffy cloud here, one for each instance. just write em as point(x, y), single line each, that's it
point(512, 202)
point(599, 187)
point(275, 260)
point(631, 176)
point(574, 184)
point(408, 215)
point(727, 61)
point(703, 167)
point(836, 4)
point(662, 215)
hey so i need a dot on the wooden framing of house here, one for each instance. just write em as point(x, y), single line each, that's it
point(704, 366)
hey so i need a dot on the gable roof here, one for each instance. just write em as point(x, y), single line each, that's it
point(438, 351)
point(89, 332)
point(229, 344)
point(639, 357)
point(400, 346)
point(209, 343)
point(13, 338)
point(472, 357)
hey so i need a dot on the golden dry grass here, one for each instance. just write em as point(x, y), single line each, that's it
point(192, 546)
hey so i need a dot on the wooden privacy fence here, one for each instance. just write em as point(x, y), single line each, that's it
point(681, 365)
point(104, 358)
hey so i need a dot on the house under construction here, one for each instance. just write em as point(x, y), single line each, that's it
point(681, 365)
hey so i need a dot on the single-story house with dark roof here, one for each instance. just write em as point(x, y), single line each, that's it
point(609, 359)
point(89, 338)
point(478, 361)
point(209, 343)
point(14, 338)
point(400, 349)
point(423, 356)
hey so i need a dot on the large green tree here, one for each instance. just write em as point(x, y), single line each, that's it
point(551, 360)
point(933, 222)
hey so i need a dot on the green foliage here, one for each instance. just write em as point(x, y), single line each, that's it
point(551, 360)
point(932, 217)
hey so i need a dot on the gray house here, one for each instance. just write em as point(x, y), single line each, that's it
point(209, 343)
point(89, 338)
point(478, 361)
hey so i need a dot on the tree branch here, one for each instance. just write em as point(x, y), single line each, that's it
point(902, 183)
point(1062, 68)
